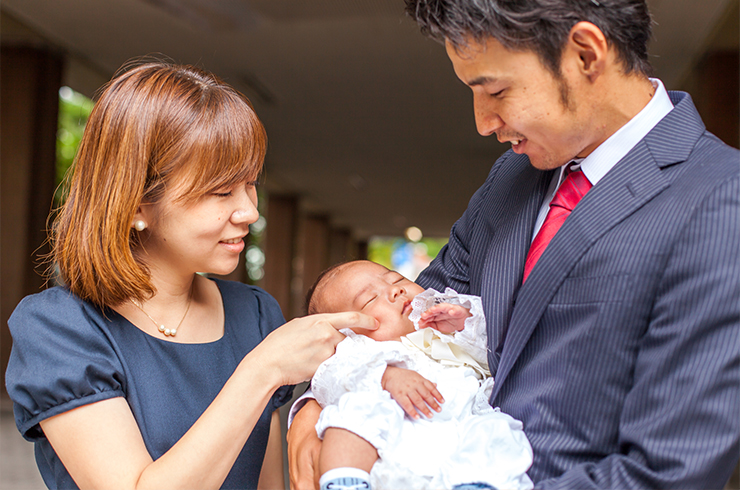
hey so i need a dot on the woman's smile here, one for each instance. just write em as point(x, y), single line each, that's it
point(235, 245)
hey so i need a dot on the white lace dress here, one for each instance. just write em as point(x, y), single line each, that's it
point(468, 441)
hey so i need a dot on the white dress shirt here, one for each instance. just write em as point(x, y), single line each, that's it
point(611, 151)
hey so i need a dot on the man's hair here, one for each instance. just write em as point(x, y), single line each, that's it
point(154, 125)
point(540, 26)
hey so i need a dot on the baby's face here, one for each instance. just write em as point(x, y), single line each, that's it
point(372, 289)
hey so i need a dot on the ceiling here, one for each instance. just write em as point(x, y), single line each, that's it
point(366, 120)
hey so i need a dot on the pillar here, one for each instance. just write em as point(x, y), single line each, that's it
point(29, 104)
point(279, 246)
point(313, 257)
point(717, 96)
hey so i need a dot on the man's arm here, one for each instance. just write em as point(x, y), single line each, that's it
point(304, 447)
point(271, 476)
point(450, 268)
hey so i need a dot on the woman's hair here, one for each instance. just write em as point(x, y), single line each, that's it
point(541, 26)
point(154, 125)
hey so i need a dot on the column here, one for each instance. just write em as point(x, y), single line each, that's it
point(29, 103)
point(279, 246)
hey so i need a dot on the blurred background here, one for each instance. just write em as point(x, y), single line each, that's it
point(372, 152)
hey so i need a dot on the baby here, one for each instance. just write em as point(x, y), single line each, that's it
point(376, 375)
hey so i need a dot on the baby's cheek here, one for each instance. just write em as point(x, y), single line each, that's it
point(367, 333)
point(387, 331)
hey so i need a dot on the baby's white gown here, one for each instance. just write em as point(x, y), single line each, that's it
point(468, 441)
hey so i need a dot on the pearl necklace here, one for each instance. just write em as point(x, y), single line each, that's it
point(168, 332)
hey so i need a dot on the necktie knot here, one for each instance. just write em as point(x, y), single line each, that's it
point(573, 188)
point(570, 192)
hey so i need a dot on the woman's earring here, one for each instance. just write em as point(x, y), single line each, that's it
point(140, 225)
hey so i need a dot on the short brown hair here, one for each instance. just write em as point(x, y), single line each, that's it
point(154, 124)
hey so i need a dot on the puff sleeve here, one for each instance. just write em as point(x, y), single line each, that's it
point(62, 358)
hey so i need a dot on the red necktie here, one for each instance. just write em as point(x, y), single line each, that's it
point(575, 186)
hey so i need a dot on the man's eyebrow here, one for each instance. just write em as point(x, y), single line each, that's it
point(482, 80)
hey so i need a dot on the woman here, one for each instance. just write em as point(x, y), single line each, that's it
point(140, 372)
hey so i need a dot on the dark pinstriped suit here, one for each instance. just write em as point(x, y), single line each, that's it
point(622, 350)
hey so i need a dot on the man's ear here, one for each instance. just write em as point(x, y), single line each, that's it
point(588, 46)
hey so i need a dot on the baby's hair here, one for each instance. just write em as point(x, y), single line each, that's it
point(311, 306)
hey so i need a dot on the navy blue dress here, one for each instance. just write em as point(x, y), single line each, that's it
point(68, 353)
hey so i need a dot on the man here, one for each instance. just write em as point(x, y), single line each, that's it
point(615, 340)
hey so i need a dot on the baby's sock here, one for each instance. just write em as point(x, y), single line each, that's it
point(345, 479)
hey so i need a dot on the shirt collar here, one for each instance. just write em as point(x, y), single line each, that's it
point(611, 151)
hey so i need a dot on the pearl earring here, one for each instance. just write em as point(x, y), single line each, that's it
point(139, 224)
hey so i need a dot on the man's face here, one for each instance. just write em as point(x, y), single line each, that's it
point(521, 101)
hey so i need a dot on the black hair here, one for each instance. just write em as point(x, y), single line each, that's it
point(541, 26)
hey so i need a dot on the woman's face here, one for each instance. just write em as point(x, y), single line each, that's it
point(205, 235)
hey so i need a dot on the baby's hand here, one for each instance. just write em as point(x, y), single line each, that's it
point(412, 391)
point(445, 318)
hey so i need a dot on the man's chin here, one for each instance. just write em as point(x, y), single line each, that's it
point(544, 163)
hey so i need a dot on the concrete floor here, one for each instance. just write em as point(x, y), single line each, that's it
point(17, 464)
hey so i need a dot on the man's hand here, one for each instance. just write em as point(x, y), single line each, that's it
point(444, 318)
point(304, 447)
point(412, 391)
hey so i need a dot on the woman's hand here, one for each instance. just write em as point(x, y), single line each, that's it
point(297, 348)
point(304, 447)
point(412, 391)
point(445, 318)
point(100, 443)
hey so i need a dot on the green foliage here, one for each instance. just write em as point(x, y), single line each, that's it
point(380, 249)
point(385, 251)
point(434, 245)
point(254, 253)
point(74, 110)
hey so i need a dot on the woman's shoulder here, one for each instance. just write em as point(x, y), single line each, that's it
point(57, 295)
point(62, 357)
point(61, 318)
point(247, 305)
point(245, 295)
point(54, 306)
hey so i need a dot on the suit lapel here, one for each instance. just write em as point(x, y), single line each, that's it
point(633, 182)
point(507, 240)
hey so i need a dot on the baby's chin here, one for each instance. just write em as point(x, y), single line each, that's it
point(384, 338)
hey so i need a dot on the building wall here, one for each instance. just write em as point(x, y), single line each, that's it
point(29, 85)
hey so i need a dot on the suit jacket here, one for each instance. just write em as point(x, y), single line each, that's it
point(621, 352)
